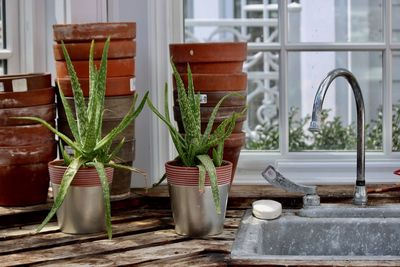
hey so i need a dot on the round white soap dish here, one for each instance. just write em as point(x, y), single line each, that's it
point(267, 209)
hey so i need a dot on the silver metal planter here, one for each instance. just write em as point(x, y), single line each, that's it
point(82, 211)
point(194, 212)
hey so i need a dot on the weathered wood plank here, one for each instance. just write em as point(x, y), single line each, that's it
point(92, 249)
point(202, 260)
point(166, 251)
point(48, 240)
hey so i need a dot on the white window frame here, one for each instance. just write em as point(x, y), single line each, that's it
point(11, 51)
point(312, 167)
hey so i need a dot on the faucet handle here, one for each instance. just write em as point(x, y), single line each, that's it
point(310, 197)
point(277, 179)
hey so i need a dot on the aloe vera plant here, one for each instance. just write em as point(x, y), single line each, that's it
point(90, 149)
point(193, 145)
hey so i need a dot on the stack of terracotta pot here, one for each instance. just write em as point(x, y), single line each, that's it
point(217, 71)
point(25, 146)
point(119, 85)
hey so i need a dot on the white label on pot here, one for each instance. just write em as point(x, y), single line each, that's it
point(203, 99)
point(1, 87)
point(68, 150)
point(133, 84)
point(19, 85)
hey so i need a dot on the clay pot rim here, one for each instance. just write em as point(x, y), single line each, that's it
point(205, 56)
point(23, 75)
point(174, 162)
point(85, 31)
point(58, 163)
point(27, 146)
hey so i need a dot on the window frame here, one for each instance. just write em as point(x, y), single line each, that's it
point(317, 167)
point(11, 51)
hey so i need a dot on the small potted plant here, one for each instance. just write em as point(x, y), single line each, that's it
point(81, 180)
point(198, 184)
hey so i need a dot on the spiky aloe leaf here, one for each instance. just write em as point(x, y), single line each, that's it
point(126, 167)
point(69, 175)
point(106, 194)
point(188, 120)
point(129, 117)
point(51, 128)
point(95, 114)
point(67, 158)
point(208, 164)
point(73, 126)
point(80, 106)
point(202, 177)
point(213, 115)
point(116, 150)
point(92, 79)
point(218, 154)
point(194, 101)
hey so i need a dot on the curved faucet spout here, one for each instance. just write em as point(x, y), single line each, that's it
point(360, 196)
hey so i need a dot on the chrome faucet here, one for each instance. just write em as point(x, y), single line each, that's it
point(360, 194)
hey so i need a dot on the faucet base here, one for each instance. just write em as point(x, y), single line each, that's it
point(360, 195)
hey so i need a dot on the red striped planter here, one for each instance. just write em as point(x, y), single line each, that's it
point(189, 176)
point(85, 177)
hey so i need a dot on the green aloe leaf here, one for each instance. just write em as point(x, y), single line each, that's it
point(67, 158)
point(106, 193)
point(188, 120)
point(212, 173)
point(218, 154)
point(129, 117)
point(202, 177)
point(92, 79)
point(73, 126)
point(116, 150)
point(126, 167)
point(80, 106)
point(51, 128)
point(69, 175)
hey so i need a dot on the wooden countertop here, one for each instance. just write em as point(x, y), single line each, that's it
point(143, 233)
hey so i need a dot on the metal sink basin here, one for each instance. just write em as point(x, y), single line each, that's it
point(293, 237)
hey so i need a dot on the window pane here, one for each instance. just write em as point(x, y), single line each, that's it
point(337, 21)
point(228, 20)
point(262, 125)
point(3, 63)
point(396, 20)
point(338, 126)
point(396, 101)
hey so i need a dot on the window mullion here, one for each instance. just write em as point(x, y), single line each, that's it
point(283, 76)
point(387, 79)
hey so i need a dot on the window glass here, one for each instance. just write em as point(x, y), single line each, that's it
point(3, 63)
point(396, 20)
point(336, 21)
point(396, 101)
point(338, 125)
point(231, 20)
point(262, 124)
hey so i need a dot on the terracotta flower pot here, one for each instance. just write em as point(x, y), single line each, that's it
point(23, 184)
point(32, 81)
point(83, 208)
point(115, 86)
point(80, 51)
point(21, 155)
point(45, 112)
point(23, 135)
point(34, 97)
point(222, 114)
point(224, 57)
point(121, 184)
point(115, 68)
point(232, 147)
point(193, 211)
point(217, 82)
point(210, 99)
point(97, 31)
